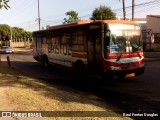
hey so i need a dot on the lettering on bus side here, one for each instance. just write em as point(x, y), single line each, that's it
point(61, 49)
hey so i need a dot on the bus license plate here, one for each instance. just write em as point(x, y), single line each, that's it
point(130, 75)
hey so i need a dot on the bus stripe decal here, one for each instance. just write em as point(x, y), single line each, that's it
point(78, 55)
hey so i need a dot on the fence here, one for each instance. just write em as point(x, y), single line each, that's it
point(17, 43)
point(152, 44)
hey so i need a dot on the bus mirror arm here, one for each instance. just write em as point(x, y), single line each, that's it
point(139, 55)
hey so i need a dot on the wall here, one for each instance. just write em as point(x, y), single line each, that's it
point(152, 43)
point(17, 43)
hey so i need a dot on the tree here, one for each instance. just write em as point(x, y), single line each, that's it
point(72, 17)
point(103, 13)
point(5, 32)
point(4, 3)
point(20, 33)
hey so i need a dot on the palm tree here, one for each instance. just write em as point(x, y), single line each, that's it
point(4, 3)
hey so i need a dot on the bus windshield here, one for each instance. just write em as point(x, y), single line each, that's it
point(120, 38)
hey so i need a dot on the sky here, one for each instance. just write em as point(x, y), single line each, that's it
point(24, 13)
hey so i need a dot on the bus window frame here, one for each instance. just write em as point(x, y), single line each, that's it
point(79, 45)
point(77, 34)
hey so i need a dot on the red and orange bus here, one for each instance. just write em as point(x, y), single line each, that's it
point(102, 47)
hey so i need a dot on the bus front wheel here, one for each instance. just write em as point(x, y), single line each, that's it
point(80, 69)
point(45, 62)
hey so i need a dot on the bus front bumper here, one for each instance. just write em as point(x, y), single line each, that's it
point(124, 74)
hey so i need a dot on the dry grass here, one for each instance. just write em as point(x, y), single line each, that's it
point(24, 93)
point(22, 50)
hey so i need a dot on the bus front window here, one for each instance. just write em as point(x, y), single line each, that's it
point(117, 42)
point(107, 41)
point(136, 43)
point(122, 39)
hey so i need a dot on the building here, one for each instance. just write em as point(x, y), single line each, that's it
point(152, 42)
point(150, 32)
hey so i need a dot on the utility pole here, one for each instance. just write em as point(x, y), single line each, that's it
point(124, 10)
point(39, 20)
point(132, 10)
point(10, 43)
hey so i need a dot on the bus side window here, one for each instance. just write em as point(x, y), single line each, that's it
point(78, 41)
point(106, 41)
point(107, 38)
point(70, 42)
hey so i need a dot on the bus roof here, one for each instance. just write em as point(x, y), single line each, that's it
point(83, 22)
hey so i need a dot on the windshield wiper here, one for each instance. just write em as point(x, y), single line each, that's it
point(119, 57)
point(139, 55)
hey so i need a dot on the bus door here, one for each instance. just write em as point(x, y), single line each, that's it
point(38, 46)
point(94, 51)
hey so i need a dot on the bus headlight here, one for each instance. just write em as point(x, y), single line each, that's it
point(115, 68)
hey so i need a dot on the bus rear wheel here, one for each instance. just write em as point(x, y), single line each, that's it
point(80, 70)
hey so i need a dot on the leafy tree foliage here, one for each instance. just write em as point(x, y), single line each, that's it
point(72, 17)
point(4, 3)
point(6, 31)
point(103, 13)
point(20, 33)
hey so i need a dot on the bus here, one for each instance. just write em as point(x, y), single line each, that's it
point(108, 48)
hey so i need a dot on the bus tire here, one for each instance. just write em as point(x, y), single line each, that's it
point(80, 69)
point(45, 61)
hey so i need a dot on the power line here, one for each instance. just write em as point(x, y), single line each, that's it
point(140, 6)
point(139, 9)
point(18, 11)
point(147, 9)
